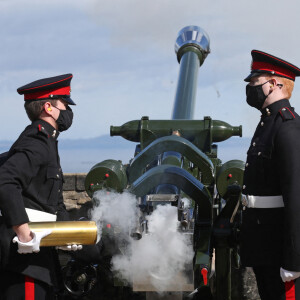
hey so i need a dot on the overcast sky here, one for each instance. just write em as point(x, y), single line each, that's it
point(121, 53)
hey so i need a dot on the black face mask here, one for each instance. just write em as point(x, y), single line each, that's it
point(255, 95)
point(65, 118)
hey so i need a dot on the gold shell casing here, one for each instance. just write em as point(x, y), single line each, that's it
point(67, 232)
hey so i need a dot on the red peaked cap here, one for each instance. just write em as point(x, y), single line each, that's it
point(266, 63)
point(57, 87)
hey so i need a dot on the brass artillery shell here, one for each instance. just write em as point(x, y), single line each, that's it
point(67, 232)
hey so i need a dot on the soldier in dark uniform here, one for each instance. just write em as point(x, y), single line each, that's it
point(270, 236)
point(31, 190)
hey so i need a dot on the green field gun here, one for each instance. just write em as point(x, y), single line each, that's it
point(176, 159)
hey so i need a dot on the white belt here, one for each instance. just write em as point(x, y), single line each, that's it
point(38, 216)
point(262, 201)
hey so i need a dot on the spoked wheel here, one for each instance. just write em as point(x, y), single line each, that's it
point(79, 279)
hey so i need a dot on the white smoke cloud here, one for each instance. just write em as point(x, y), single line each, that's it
point(113, 208)
point(156, 258)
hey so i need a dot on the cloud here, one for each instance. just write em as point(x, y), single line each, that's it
point(123, 59)
point(234, 27)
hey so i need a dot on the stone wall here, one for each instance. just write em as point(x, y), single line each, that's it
point(78, 204)
point(76, 199)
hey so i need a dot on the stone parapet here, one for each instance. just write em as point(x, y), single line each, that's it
point(74, 192)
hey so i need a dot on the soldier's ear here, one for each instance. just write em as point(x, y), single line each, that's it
point(273, 83)
point(47, 107)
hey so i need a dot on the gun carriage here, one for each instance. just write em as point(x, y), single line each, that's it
point(177, 158)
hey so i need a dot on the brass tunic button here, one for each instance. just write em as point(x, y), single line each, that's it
point(262, 124)
point(57, 175)
point(253, 144)
point(244, 187)
point(247, 164)
point(259, 153)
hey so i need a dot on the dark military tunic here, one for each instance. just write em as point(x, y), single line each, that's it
point(30, 178)
point(271, 236)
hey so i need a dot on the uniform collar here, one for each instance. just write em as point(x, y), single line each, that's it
point(50, 130)
point(275, 107)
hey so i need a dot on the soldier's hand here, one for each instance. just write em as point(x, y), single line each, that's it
point(288, 275)
point(32, 246)
point(73, 247)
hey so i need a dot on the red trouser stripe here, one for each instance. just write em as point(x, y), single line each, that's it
point(29, 288)
point(290, 290)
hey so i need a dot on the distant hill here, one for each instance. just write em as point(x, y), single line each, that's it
point(81, 154)
point(104, 141)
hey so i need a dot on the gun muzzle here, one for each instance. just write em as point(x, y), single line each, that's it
point(67, 232)
point(139, 229)
point(137, 234)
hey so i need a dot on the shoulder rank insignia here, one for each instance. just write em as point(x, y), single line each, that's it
point(43, 130)
point(286, 113)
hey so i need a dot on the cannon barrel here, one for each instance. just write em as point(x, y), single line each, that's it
point(191, 47)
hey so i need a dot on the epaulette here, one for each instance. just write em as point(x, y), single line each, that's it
point(43, 130)
point(286, 113)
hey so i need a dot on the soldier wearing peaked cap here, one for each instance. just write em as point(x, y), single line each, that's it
point(270, 236)
point(31, 187)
